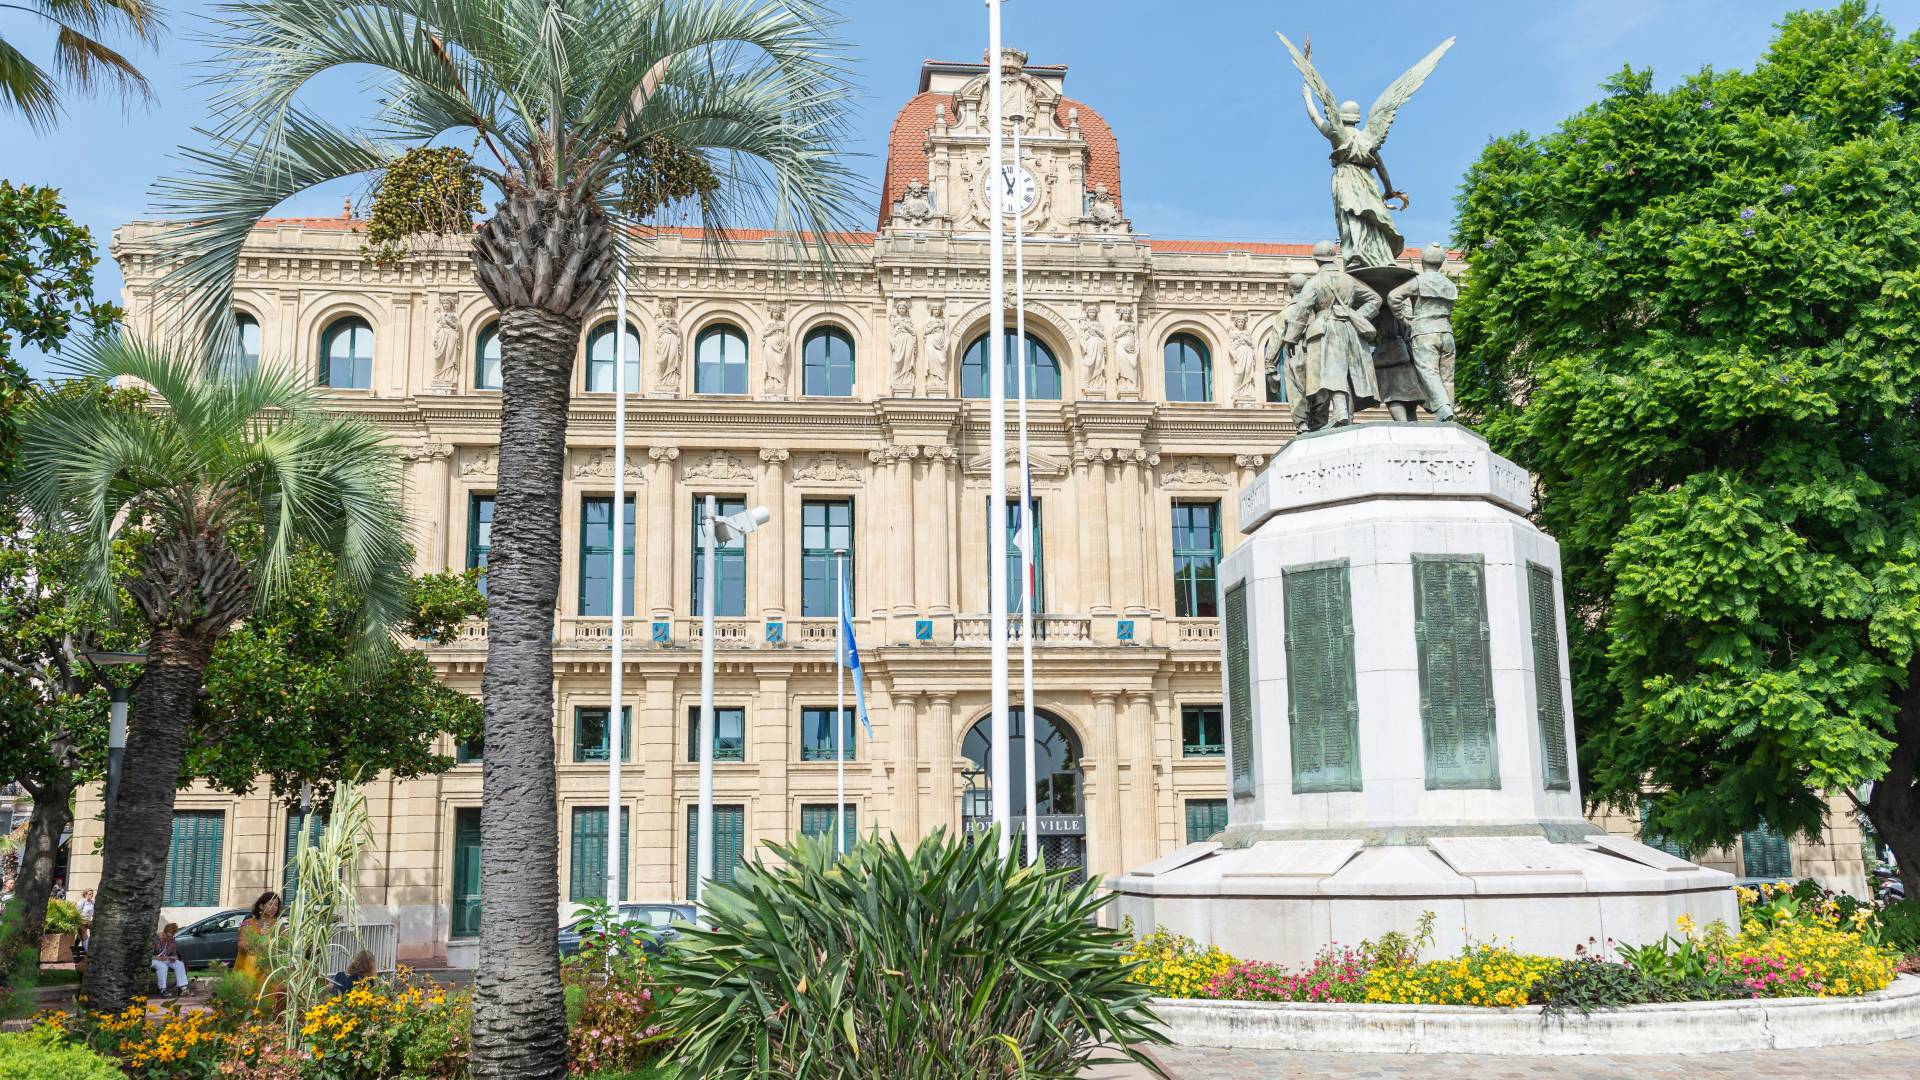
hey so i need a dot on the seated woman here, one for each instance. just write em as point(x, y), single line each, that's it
point(359, 970)
point(166, 957)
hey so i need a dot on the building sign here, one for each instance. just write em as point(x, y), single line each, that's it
point(1048, 824)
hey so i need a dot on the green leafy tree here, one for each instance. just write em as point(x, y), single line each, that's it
point(227, 480)
point(1695, 315)
point(585, 117)
point(81, 61)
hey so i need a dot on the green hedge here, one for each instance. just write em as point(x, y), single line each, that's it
point(26, 1057)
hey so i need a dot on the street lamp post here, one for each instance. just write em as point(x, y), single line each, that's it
point(714, 531)
point(116, 716)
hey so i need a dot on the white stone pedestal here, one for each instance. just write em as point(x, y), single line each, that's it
point(1399, 730)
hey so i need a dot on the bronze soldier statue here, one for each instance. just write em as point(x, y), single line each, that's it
point(1425, 306)
point(1336, 368)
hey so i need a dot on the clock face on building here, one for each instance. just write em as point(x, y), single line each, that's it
point(1018, 192)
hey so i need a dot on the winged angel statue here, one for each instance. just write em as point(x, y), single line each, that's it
point(1367, 235)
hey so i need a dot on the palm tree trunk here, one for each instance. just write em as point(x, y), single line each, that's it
point(133, 872)
point(51, 817)
point(519, 1013)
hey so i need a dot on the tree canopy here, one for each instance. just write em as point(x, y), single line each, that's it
point(1693, 314)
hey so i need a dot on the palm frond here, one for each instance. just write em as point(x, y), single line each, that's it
point(86, 63)
point(28, 89)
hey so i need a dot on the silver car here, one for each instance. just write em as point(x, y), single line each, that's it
point(658, 924)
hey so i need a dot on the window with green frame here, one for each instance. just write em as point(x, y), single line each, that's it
point(729, 560)
point(479, 534)
point(1765, 852)
point(486, 357)
point(469, 751)
point(816, 819)
point(826, 363)
point(587, 877)
point(729, 844)
point(1196, 560)
point(601, 346)
point(590, 733)
point(193, 858)
point(1013, 557)
point(816, 734)
point(466, 872)
point(1205, 817)
point(1202, 731)
point(596, 555)
point(346, 354)
point(729, 734)
point(297, 838)
point(1189, 369)
point(826, 525)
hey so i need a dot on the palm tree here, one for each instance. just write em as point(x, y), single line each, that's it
point(587, 116)
point(223, 479)
point(81, 60)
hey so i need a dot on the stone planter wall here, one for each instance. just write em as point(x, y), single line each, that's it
point(1706, 1027)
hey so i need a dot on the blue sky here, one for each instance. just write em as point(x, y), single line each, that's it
point(1213, 140)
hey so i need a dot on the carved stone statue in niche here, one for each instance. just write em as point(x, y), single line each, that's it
point(1240, 354)
point(915, 205)
point(1093, 352)
point(773, 384)
point(445, 345)
point(903, 347)
point(1126, 355)
point(668, 350)
point(937, 344)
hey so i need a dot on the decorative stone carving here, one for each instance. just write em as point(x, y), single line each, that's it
point(1193, 472)
point(914, 207)
point(663, 453)
point(937, 343)
point(887, 455)
point(773, 383)
point(445, 345)
point(431, 451)
point(1241, 355)
point(903, 347)
point(668, 351)
point(1249, 461)
point(1102, 211)
point(1126, 355)
point(719, 465)
point(775, 455)
point(598, 465)
point(479, 463)
point(826, 466)
point(939, 455)
point(1093, 352)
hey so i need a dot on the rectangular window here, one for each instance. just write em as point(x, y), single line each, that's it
point(193, 860)
point(1456, 671)
point(729, 845)
point(816, 734)
point(816, 819)
point(596, 556)
point(1202, 731)
point(590, 733)
point(1196, 559)
point(1323, 708)
point(589, 862)
point(826, 525)
point(1550, 705)
point(1205, 817)
point(729, 734)
point(1013, 558)
point(479, 534)
point(466, 872)
point(1766, 853)
point(297, 838)
point(730, 560)
point(468, 751)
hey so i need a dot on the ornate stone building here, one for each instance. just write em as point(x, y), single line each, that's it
point(853, 409)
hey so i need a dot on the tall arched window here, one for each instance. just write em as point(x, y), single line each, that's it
point(486, 358)
point(1189, 369)
point(1057, 786)
point(346, 354)
point(827, 363)
point(600, 357)
point(246, 346)
point(720, 361)
point(1043, 371)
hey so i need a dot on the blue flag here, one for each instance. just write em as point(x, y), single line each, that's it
point(850, 658)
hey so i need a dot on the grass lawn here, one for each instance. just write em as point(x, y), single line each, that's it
point(58, 976)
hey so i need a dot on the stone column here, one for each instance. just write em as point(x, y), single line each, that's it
point(1123, 532)
point(904, 542)
point(941, 744)
point(935, 556)
point(1153, 525)
point(768, 748)
point(906, 767)
point(1096, 529)
point(1130, 561)
point(1142, 835)
point(660, 517)
point(1105, 853)
point(428, 469)
point(658, 830)
point(770, 554)
point(878, 557)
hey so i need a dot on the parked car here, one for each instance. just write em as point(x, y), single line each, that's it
point(658, 923)
point(214, 938)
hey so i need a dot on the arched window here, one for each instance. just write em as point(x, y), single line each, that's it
point(720, 361)
point(346, 354)
point(246, 346)
point(486, 358)
point(1057, 787)
point(826, 362)
point(1189, 369)
point(1043, 371)
point(600, 357)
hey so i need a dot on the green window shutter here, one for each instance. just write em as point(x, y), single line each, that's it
point(1456, 671)
point(729, 844)
point(1205, 817)
point(816, 819)
point(1765, 853)
point(1550, 704)
point(1655, 840)
point(193, 860)
point(1323, 703)
point(1239, 691)
point(290, 876)
point(466, 871)
point(588, 880)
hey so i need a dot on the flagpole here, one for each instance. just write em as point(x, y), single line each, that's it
point(703, 832)
point(999, 782)
point(615, 713)
point(839, 699)
point(1026, 520)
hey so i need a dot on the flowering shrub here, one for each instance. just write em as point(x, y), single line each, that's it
point(1483, 974)
point(1176, 965)
point(613, 1028)
point(1337, 974)
point(171, 1045)
point(1809, 955)
point(377, 1030)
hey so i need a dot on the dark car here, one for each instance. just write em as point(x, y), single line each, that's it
point(657, 924)
point(214, 938)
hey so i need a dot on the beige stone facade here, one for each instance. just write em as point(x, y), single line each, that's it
point(1126, 653)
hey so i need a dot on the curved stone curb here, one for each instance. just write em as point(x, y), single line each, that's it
point(1704, 1027)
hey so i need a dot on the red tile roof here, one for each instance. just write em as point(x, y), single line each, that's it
point(907, 146)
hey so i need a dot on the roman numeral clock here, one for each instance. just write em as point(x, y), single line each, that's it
point(1018, 192)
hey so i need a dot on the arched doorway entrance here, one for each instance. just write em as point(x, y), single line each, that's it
point(1058, 790)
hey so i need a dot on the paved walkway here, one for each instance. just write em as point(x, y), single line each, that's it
point(1875, 1061)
